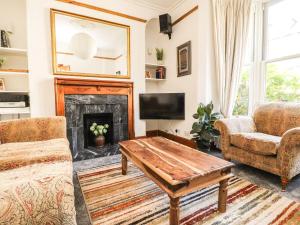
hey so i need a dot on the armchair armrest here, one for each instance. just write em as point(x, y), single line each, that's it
point(291, 138)
point(233, 125)
point(289, 153)
point(32, 129)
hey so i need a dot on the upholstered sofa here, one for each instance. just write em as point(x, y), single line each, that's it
point(36, 184)
point(270, 140)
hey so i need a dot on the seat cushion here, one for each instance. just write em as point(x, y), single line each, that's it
point(259, 143)
point(18, 154)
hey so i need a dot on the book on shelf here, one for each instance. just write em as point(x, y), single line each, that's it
point(160, 72)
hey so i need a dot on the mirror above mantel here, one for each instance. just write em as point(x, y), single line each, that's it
point(86, 46)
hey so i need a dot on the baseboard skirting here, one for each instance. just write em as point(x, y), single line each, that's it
point(181, 140)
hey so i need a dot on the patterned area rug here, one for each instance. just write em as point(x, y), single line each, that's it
point(112, 198)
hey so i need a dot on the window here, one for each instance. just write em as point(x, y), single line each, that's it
point(271, 72)
point(242, 100)
point(241, 106)
point(282, 50)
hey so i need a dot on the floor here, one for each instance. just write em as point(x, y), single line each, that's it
point(256, 176)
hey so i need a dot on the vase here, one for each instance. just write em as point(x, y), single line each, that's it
point(99, 141)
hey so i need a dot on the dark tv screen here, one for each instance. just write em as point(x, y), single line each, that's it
point(168, 106)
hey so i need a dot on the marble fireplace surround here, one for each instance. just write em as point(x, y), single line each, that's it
point(95, 89)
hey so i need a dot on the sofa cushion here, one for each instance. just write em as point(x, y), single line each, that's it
point(277, 118)
point(40, 194)
point(259, 143)
point(14, 155)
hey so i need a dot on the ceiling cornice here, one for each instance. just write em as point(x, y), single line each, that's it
point(153, 6)
point(175, 5)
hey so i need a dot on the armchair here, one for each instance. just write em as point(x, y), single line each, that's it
point(270, 140)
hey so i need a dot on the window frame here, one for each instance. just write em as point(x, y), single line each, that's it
point(264, 49)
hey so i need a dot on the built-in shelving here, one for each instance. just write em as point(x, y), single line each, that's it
point(6, 111)
point(151, 68)
point(13, 51)
point(154, 79)
point(154, 65)
point(16, 92)
point(13, 72)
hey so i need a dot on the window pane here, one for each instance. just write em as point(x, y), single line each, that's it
point(282, 28)
point(249, 54)
point(242, 101)
point(283, 81)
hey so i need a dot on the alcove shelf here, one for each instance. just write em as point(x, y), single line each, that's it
point(13, 51)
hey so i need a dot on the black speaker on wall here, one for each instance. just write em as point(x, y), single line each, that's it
point(165, 24)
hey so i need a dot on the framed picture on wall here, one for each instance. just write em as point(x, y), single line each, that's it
point(184, 59)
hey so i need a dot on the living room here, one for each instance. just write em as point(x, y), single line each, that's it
point(149, 112)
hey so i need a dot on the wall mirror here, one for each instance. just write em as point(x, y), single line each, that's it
point(85, 46)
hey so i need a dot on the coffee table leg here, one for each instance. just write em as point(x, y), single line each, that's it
point(174, 211)
point(222, 196)
point(124, 164)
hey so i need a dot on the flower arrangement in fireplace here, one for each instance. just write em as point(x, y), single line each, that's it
point(99, 131)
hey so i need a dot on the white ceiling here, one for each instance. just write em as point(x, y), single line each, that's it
point(162, 5)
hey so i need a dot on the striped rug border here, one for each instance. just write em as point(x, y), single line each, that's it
point(116, 165)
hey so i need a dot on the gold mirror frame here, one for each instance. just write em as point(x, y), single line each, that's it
point(53, 12)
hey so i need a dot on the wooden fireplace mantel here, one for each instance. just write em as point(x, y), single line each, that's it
point(66, 86)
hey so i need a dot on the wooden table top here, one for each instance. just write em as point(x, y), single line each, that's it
point(174, 162)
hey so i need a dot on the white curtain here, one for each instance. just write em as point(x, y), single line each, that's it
point(231, 22)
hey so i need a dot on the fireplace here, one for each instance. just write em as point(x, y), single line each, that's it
point(100, 119)
point(83, 102)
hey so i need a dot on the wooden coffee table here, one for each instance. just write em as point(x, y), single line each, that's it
point(177, 169)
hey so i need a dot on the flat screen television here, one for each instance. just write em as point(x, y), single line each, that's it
point(168, 106)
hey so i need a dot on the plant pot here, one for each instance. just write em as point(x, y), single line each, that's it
point(160, 62)
point(99, 141)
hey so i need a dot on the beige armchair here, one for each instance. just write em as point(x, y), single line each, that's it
point(269, 141)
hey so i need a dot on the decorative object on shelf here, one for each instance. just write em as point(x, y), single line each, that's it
point(2, 84)
point(184, 59)
point(147, 74)
point(2, 60)
point(99, 131)
point(159, 56)
point(4, 36)
point(203, 130)
point(160, 72)
point(149, 51)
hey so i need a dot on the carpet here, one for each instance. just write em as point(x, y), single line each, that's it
point(112, 199)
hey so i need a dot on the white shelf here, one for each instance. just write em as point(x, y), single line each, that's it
point(9, 111)
point(10, 73)
point(12, 51)
point(154, 65)
point(16, 92)
point(154, 79)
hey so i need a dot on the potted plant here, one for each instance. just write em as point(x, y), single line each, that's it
point(203, 130)
point(159, 56)
point(99, 131)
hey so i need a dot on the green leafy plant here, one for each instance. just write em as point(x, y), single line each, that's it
point(99, 130)
point(203, 130)
point(2, 60)
point(159, 54)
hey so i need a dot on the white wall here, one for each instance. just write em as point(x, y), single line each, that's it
point(39, 50)
point(199, 86)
